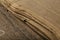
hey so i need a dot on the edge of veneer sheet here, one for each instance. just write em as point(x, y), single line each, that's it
point(48, 28)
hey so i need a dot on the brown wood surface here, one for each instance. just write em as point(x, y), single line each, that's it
point(43, 19)
point(14, 29)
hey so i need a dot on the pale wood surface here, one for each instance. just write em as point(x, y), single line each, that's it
point(14, 29)
point(47, 11)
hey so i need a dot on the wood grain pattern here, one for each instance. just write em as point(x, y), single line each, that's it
point(41, 18)
point(14, 28)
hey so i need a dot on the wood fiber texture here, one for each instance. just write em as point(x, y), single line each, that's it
point(30, 19)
